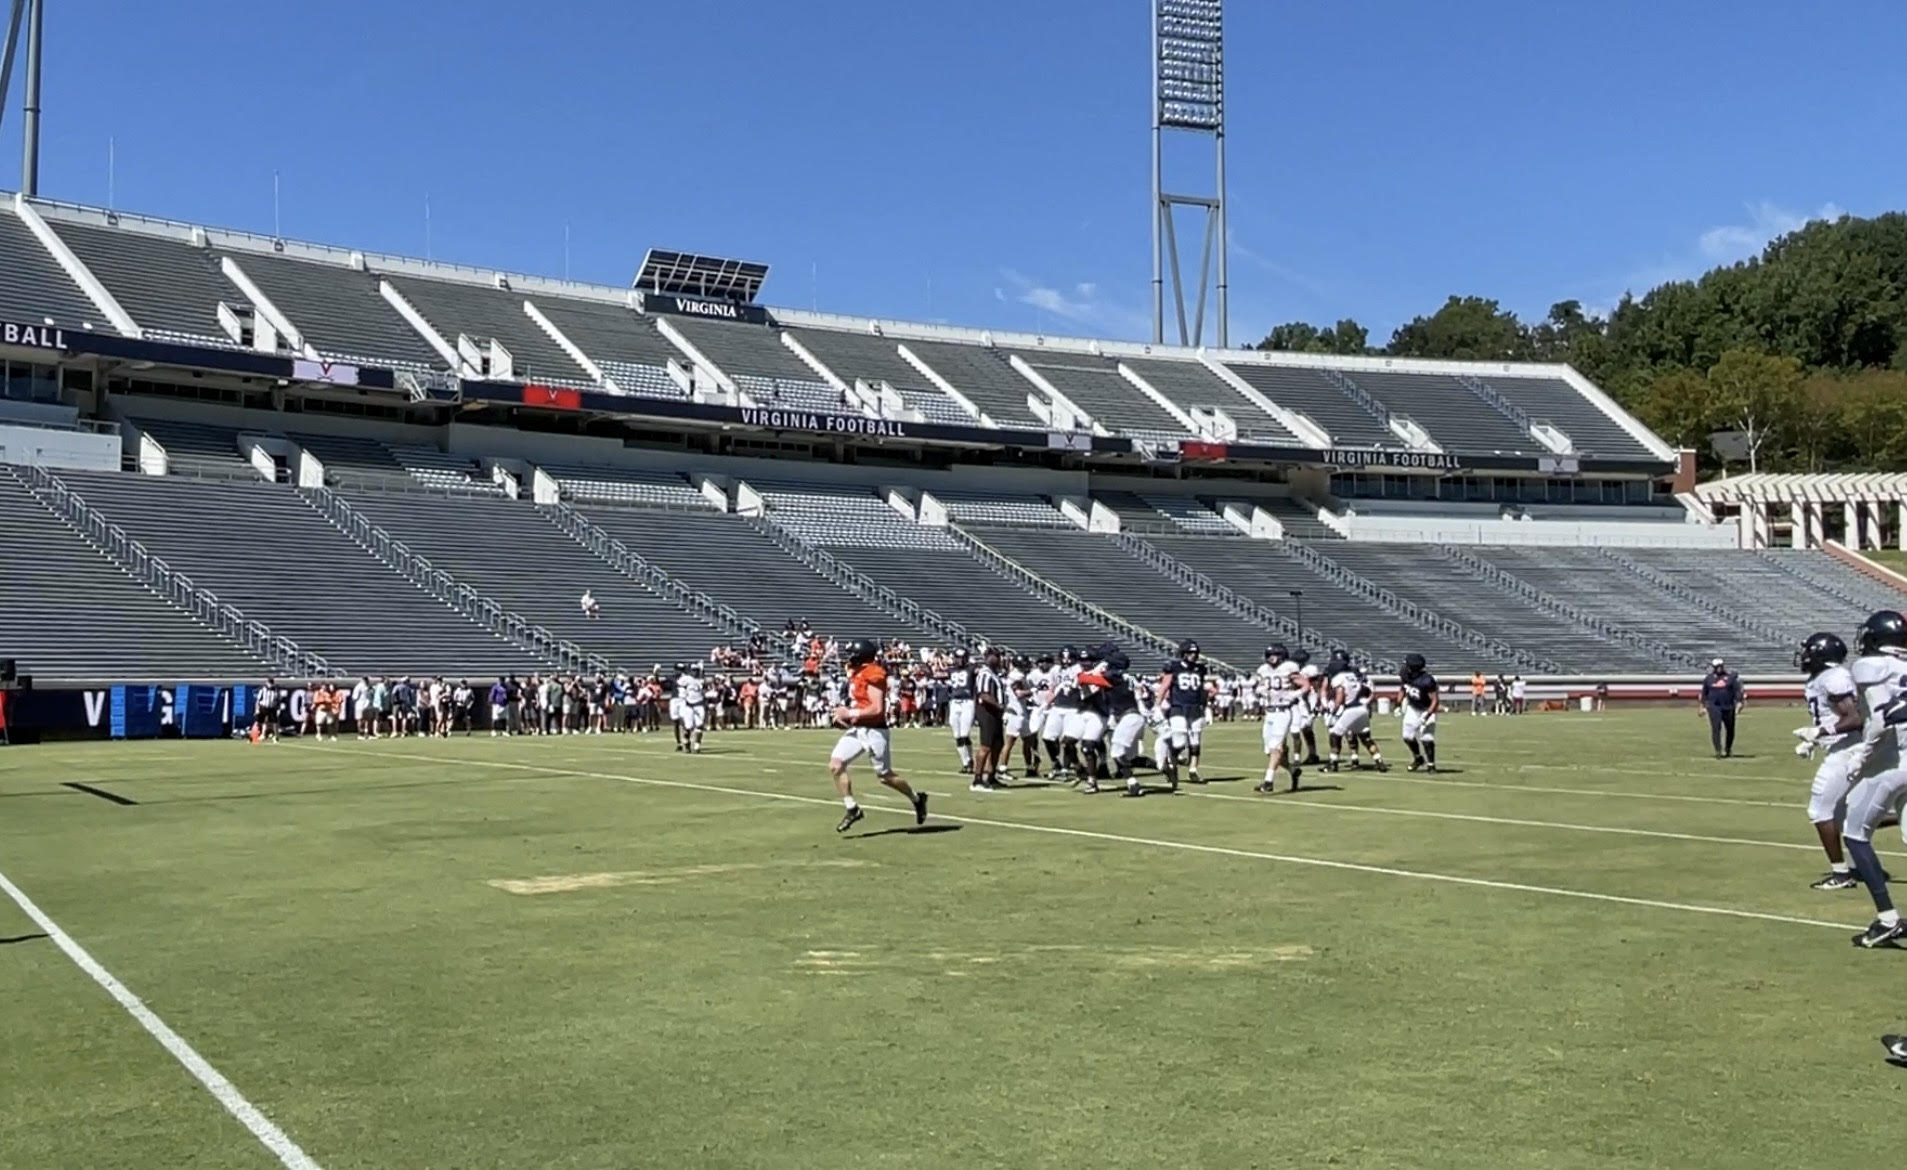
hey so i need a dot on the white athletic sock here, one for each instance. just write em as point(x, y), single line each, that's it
point(966, 755)
point(1889, 917)
point(1271, 773)
point(1839, 867)
point(849, 802)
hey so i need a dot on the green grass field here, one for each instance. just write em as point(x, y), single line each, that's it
point(1592, 945)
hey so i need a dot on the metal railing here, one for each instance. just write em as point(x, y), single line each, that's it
point(1792, 566)
point(1417, 615)
point(1690, 596)
point(1359, 395)
point(177, 589)
point(633, 565)
point(1240, 605)
point(1550, 603)
point(1494, 400)
point(1027, 579)
point(446, 588)
point(860, 584)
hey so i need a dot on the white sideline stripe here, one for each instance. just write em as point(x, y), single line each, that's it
point(261, 1127)
point(637, 749)
point(1152, 842)
point(1479, 818)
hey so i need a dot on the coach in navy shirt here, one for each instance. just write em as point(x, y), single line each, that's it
point(1721, 698)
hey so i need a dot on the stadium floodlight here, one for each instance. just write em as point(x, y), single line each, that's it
point(1188, 94)
point(687, 274)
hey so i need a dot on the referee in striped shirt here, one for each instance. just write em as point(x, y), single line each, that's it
point(989, 713)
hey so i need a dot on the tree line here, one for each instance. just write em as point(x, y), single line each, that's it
point(1793, 360)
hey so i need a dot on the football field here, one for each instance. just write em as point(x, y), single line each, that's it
point(1588, 944)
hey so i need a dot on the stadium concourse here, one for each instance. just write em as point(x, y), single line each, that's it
point(225, 457)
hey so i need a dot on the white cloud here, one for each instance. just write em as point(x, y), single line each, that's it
point(1084, 305)
point(1729, 242)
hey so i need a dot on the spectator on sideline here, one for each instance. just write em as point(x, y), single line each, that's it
point(1519, 694)
point(1721, 698)
point(1477, 687)
point(1602, 696)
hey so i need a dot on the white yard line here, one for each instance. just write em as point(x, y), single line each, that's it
point(1149, 842)
point(248, 1115)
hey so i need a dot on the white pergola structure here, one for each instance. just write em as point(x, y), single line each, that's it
point(1852, 507)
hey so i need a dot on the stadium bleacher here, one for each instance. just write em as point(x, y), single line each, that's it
point(169, 287)
point(983, 375)
point(71, 615)
point(765, 369)
point(1314, 395)
point(198, 449)
point(1454, 415)
point(262, 548)
point(338, 310)
point(625, 344)
point(36, 289)
point(1190, 384)
point(1096, 386)
point(480, 311)
point(1552, 400)
point(876, 359)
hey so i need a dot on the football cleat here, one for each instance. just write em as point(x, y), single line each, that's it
point(920, 808)
point(1194, 777)
point(1896, 1049)
point(966, 769)
point(1416, 766)
point(980, 785)
point(1265, 786)
point(1296, 773)
point(1880, 934)
point(1835, 881)
point(850, 820)
point(1133, 789)
point(1089, 786)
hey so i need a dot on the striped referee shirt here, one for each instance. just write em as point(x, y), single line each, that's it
point(987, 685)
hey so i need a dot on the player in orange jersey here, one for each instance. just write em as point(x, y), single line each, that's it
point(864, 730)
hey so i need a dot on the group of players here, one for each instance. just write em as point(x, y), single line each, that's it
point(1089, 712)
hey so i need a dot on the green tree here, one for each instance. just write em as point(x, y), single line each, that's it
point(1757, 395)
point(1346, 337)
point(1467, 328)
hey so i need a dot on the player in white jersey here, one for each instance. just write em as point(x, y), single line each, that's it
point(1418, 689)
point(1222, 696)
point(1314, 699)
point(1351, 713)
point(1281, 689)
point(1018, 695)
point(960, 707)
point(1834, 724)
point(1880, 679)
point(1063, 722)
point(1041, 679)
point(692, 694)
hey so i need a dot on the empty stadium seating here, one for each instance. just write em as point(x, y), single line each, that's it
point(196, 449)
point(338, 310)
point(1313, 394)
point(481, 311)
point(1190, 384)
point(765, 369)
point(1416, 572)
point(1096, 569)
point(1601, 586)
point(877, 359)
point(607, 485)
point(1552, 400)
point(989, 508)
point(356, 461)
point(68, 614)
point(261, 548)
point(1451, 412)
point(625, 345)
point(1300, 519)
point(171, 288)
point(983, 375)
point(442, 471)
point(509, 552)
point(1096, 386)
point(726, 557)
point(36, 289)
point(1262, 571)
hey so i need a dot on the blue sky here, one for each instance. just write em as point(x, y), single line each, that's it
point(986, 163)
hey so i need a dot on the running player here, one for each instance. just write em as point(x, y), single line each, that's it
point(1880, 678)
point(1421, 704)
point(1314, 699)
point(1834, 724)
point(1281, 688)
point(1123, 703)
point(1183, 692)
point(863, 720)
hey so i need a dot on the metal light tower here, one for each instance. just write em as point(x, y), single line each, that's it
point(1188, 94)
point(31, 10)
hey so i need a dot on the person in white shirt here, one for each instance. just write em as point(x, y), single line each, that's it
point(1519, 693)
point(691, 692)
point(1834, 725)
point(1281, 688)
point(361, 708)
point(591, 608)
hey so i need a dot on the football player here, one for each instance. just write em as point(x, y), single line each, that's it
point(1880, 679)
point(1834, 724)
point(960, 707)
point(692, 707)
point(1183, 692)
point(1123, 705)
point(1018, 694)
point(1040, 680)
point(1062, 721)
point(1421, 704)
point(1314, 699)
point(670, 687)
point(1351, 720)
point(863, 720)
point(1282, 690)
point(1095, 705)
